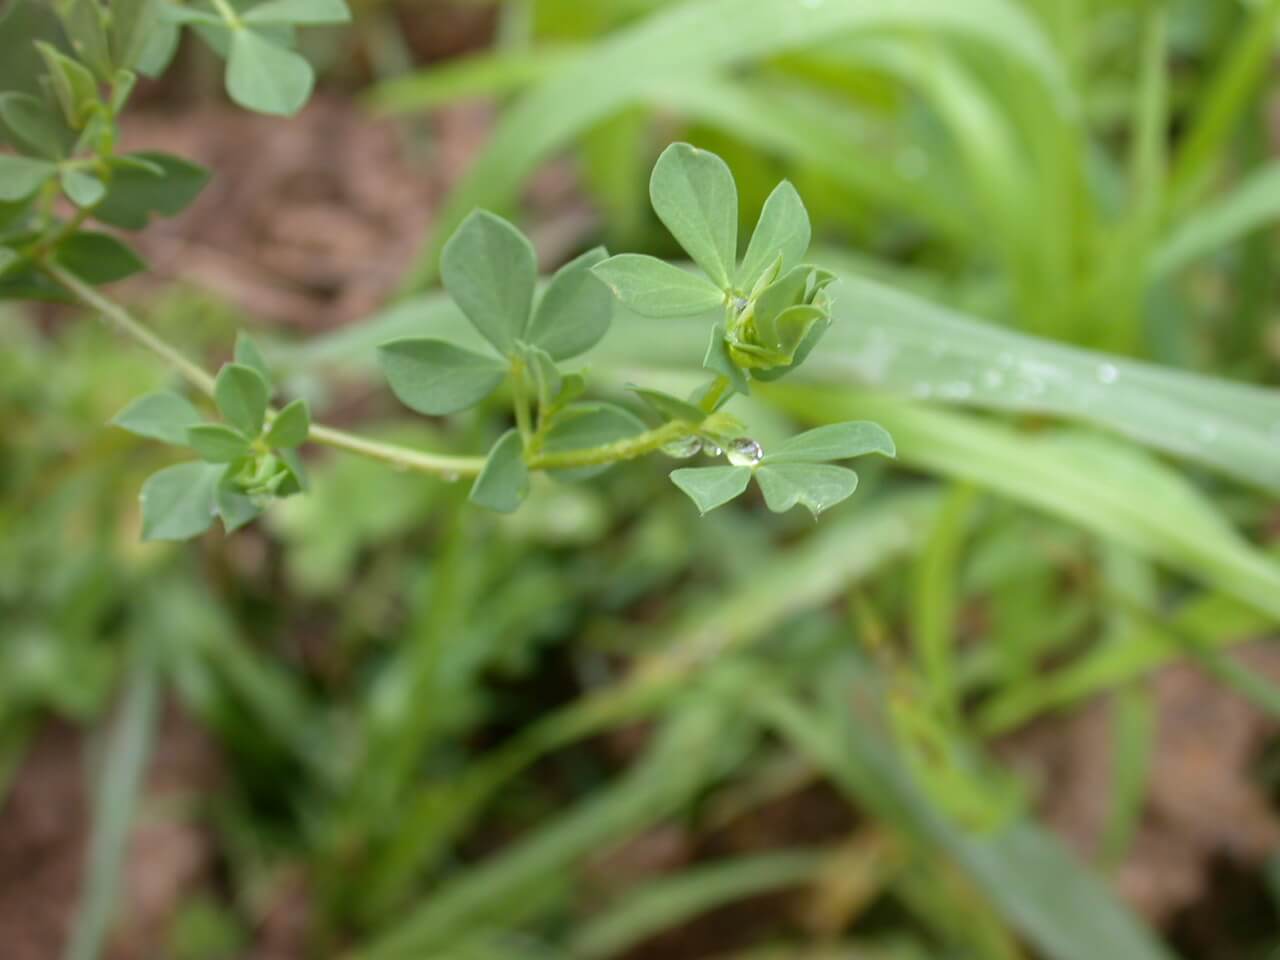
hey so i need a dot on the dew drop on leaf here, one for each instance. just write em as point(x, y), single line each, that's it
point(1107, 373)
point(682, 449)
point(745, 452)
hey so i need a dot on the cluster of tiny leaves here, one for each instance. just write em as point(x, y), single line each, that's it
point(768, 311)
point(246, 460)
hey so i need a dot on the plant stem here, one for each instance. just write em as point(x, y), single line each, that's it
point(227, 13)
point(404, 458)
point(520, 402)
point(90, 297)
point(714, 393)
point(628, 448)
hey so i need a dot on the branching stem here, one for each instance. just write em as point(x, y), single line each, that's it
point(405, 458)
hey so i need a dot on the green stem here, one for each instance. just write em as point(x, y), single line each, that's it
point(715, 393)
point(629, 448)
point(520, 402)
point(90, 297)
point(404, 458)
point(227, 13)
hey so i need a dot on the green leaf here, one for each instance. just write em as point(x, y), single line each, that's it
point(783, 228)
point(20, 177)
point(241, 396)
point(816, 486)
point(291, 425)
point(137, 192)
point(814, 333)
point(8, 257)
point(693, 193)
point(654, 288)
point(133, 24)
point(717, 360)
point(83, 189)
point(489, 268)
point(217, 443)
point(574, 312)
point(299, 11)
point(32, 125)
point(178, 501)
point(98, 258)
point(835, 441)
point(585, 425)
point(435, 377)
point(711, 487)
point(263, 76)
point(788, 330)
point(247, 354)
point(73, 85)
point(669, 407)
point(788, 290)
point(234, 508)
point(297, 471)
point(159, 48)
point(504, 481)
point(162, 416)
point(85, 26)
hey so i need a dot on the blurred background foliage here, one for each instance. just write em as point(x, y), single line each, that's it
point(994, 707)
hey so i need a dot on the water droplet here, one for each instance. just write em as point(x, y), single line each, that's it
point(739, 304)
point(1207, 433)
point(449, 477)
point(683, 448)
point(711, 450)
point(1107, 373)
point(745, 452)
point(1006, 359)
point(922, 391)
point(992, 379)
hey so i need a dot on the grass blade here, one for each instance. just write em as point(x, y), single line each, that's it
point(115, 800)
point(699, 37)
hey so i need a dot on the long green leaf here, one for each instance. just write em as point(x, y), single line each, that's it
point(698, 37)
point(115, 802)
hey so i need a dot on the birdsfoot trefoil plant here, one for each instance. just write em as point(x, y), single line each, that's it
point(764, 312)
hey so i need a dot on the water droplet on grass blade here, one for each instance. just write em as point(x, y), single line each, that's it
point(1107, 373)
point(745, 452)
point(683, 448)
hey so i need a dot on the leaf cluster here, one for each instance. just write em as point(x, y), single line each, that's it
point(246, 460)
point(775, 310)
point(263, 71)
point(490, 270)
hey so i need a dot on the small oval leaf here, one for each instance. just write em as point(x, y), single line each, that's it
point(437, 378)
